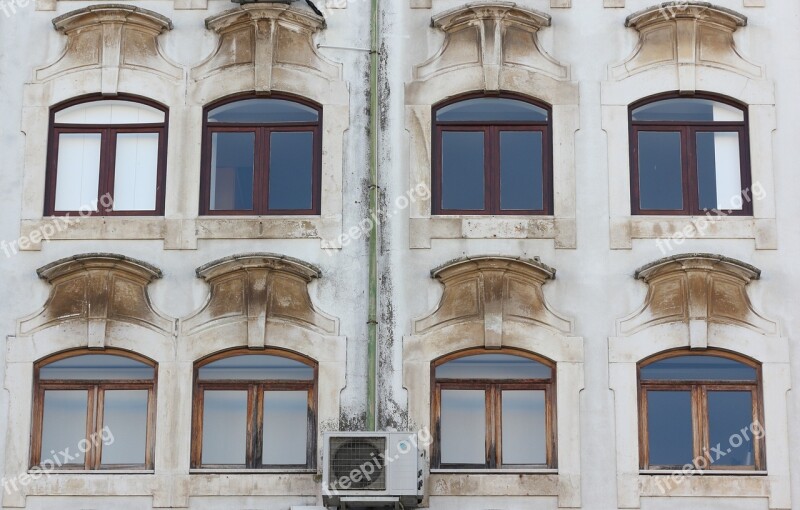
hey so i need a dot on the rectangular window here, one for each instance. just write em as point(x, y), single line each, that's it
point(136, 172)
point(64, 424)
point(524, 427)
point(521, 170)
point(669, 422)
point(719, 171)
point(730, 412)
point(660, 171)
point(78, 179)
point(463, 185)
point(285, 428)
point(232, 167)
point(463, 427)
point(125, 415)
point(224, 427)
point(291, 170)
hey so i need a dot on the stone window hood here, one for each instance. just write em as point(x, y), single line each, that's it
point(110, 38)
point(686, 34)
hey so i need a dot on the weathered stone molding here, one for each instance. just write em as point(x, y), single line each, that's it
point(686, 34)
point(492, 47)
point(699, 301)
point(688, 47)
point(492, 302)
point(256, 289)
point(110, 38)
point(96, 289)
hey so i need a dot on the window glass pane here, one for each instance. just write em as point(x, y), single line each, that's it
point(719, 175)
point(486, 109)
point(224, 427)
point(463, 426)
point(521, 178)
point(291, 160)
point(64, 425)
point(125, 416)
point(688, 109)
point(669, 425)
point(232, 156)
point(110, 112)
point(136, 172)
point(729, 413)
point(96, 367)
point(698, 368)
point(257, 367)
point(263, 111)
point(660, 171)
point(493, 366)
point(462, 170)
point(78, 168)
point(285, 428)
point(524, 433)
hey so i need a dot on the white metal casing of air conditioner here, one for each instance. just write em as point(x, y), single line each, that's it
point(402, 466)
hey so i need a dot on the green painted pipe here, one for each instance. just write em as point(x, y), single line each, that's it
point(372, 321)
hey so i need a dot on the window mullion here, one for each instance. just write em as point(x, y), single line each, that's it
point(258, 421)
point(251, 427)
point(93, 407)
point(108, 143)
point(700, 419)
point(691, 192)
point(493, 170)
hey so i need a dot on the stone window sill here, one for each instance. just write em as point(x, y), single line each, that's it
point(424, 230)
point(672, 231)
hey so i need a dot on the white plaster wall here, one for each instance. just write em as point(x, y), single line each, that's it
point(594, 284)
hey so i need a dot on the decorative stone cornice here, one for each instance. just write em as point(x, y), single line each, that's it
point(111, 37)
point(98, 288)
point(491, 35)
point(697, 289)
point(264, 37)
point(493, 290)
point(686, 35)
point(256, 288)
point(112, 14)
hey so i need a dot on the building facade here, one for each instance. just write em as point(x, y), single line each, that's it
point(551, 239)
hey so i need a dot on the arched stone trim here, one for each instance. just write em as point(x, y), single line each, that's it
point(699, 301)
point(689, 47)
point(493, 47)
point(259, 301)
point(491, 302)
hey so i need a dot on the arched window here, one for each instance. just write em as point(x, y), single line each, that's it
point(492, 155)
point(493, 409)
point(701, 409)
point(94, 411)
point(255, 411)
point(107, 157)
point(689, 155)
point(262, 156)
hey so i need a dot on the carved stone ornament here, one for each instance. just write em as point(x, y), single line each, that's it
point(111, 38)
point(493, 290)
point(697, 289)
point(97, 289)
point(266, 37)
point(491, 35)
point(686, 34)
point(255, 289)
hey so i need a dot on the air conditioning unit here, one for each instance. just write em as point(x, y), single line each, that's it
point(371, 468)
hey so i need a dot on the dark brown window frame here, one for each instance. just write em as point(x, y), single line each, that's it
point(491, 154)
point(494, 421)
point(262, 134)
point(108, 149)
point(699, 390)
point(255, 410)
point(94, 409)
point(688, 131)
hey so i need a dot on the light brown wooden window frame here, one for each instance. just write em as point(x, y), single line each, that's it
point(255, 410)
point(699, 401)
point(108, 152)
point(494, 421)
point(491, 154)
point(688, 131)
point(261, 159)
point(94, 409)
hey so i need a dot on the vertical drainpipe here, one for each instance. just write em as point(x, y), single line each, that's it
point(372, 320)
